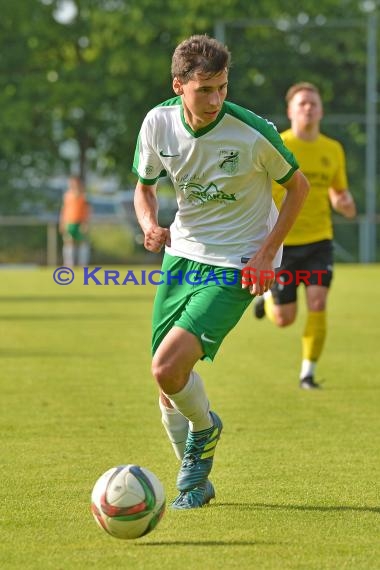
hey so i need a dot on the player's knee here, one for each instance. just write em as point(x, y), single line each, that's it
point(284, 320)
point(162, 371)
point(317, 305)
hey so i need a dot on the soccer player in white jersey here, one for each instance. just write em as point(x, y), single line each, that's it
point(221, 159)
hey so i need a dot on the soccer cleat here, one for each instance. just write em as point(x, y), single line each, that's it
point(308, 383)
point(259, 307)
point(199, 455)
point(195, 498)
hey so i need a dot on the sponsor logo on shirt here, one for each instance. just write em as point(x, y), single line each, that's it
point(198, 194)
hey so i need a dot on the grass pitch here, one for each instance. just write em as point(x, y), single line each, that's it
point(296, 473)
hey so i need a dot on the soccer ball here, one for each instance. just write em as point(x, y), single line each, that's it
point(128, 501)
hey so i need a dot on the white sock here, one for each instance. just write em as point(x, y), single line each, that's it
point(68, 254)
point(192, 402)
point(176, 426)
point(308, 368)
point(83, 254)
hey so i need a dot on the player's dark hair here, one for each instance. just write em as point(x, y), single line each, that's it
point(199, 54)
point(302, 86)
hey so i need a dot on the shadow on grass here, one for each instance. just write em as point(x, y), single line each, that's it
point(320, 508)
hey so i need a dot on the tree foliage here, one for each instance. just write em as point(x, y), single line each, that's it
point(75, 88)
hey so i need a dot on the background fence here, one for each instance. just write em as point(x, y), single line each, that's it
point(36, 241)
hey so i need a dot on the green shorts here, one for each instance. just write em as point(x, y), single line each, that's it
point(74, 230)
point(205, 300)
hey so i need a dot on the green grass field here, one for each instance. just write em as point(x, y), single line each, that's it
point(296, 473)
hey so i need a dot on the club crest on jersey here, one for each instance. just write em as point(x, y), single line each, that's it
point(229, 160)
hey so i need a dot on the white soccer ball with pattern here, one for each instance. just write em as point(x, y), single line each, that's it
point(128, 501)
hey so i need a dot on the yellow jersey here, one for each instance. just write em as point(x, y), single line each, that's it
point(324, 165)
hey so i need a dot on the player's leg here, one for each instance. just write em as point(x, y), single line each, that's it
point(177, 427)
point(72, 240)
point(282, 315)
point(184, 391)
point(68, 251)
point(83, 253)
point(170, 303)
point(175, 424)
point(314, 334)
point(279, 304)
point(207, 314)
point(172, 367)
point(213, 310)
point(83, 247)
point(320, 265)
point(281, 300)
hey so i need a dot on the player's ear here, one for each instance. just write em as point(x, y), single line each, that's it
point(177, 86)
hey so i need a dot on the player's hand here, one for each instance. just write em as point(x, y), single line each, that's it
point(258, 275)
point(343, 202)
point(155, 238)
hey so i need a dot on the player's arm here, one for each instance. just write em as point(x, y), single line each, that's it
point(146, 207)
point(297, 188)
point(342, 202)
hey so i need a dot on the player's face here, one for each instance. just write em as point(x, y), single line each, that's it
point(202, 98)
point(305, 109)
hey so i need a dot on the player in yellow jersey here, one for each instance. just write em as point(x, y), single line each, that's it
point(308, 246)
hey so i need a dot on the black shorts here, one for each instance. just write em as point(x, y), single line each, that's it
point(310, 264)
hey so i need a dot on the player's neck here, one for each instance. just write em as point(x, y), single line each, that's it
point(309, 134)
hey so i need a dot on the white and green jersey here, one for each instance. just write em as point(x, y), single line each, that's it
point(222, 175)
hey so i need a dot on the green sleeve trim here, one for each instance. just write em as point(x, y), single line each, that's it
point(146, 181)
point(287, 176)
point(265, 128)
point(149, 181)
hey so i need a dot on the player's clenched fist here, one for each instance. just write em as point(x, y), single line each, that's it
point(155, 238)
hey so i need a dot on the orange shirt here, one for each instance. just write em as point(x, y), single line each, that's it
point(75, 208)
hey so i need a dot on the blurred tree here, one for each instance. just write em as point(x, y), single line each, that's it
point(77, 76)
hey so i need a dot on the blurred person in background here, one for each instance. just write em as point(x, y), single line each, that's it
point(74, 218)
point(309, 246)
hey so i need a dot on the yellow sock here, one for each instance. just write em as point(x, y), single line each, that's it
point(314, 335)
point(268, 305)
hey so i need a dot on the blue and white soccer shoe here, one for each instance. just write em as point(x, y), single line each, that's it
point(199, 455)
